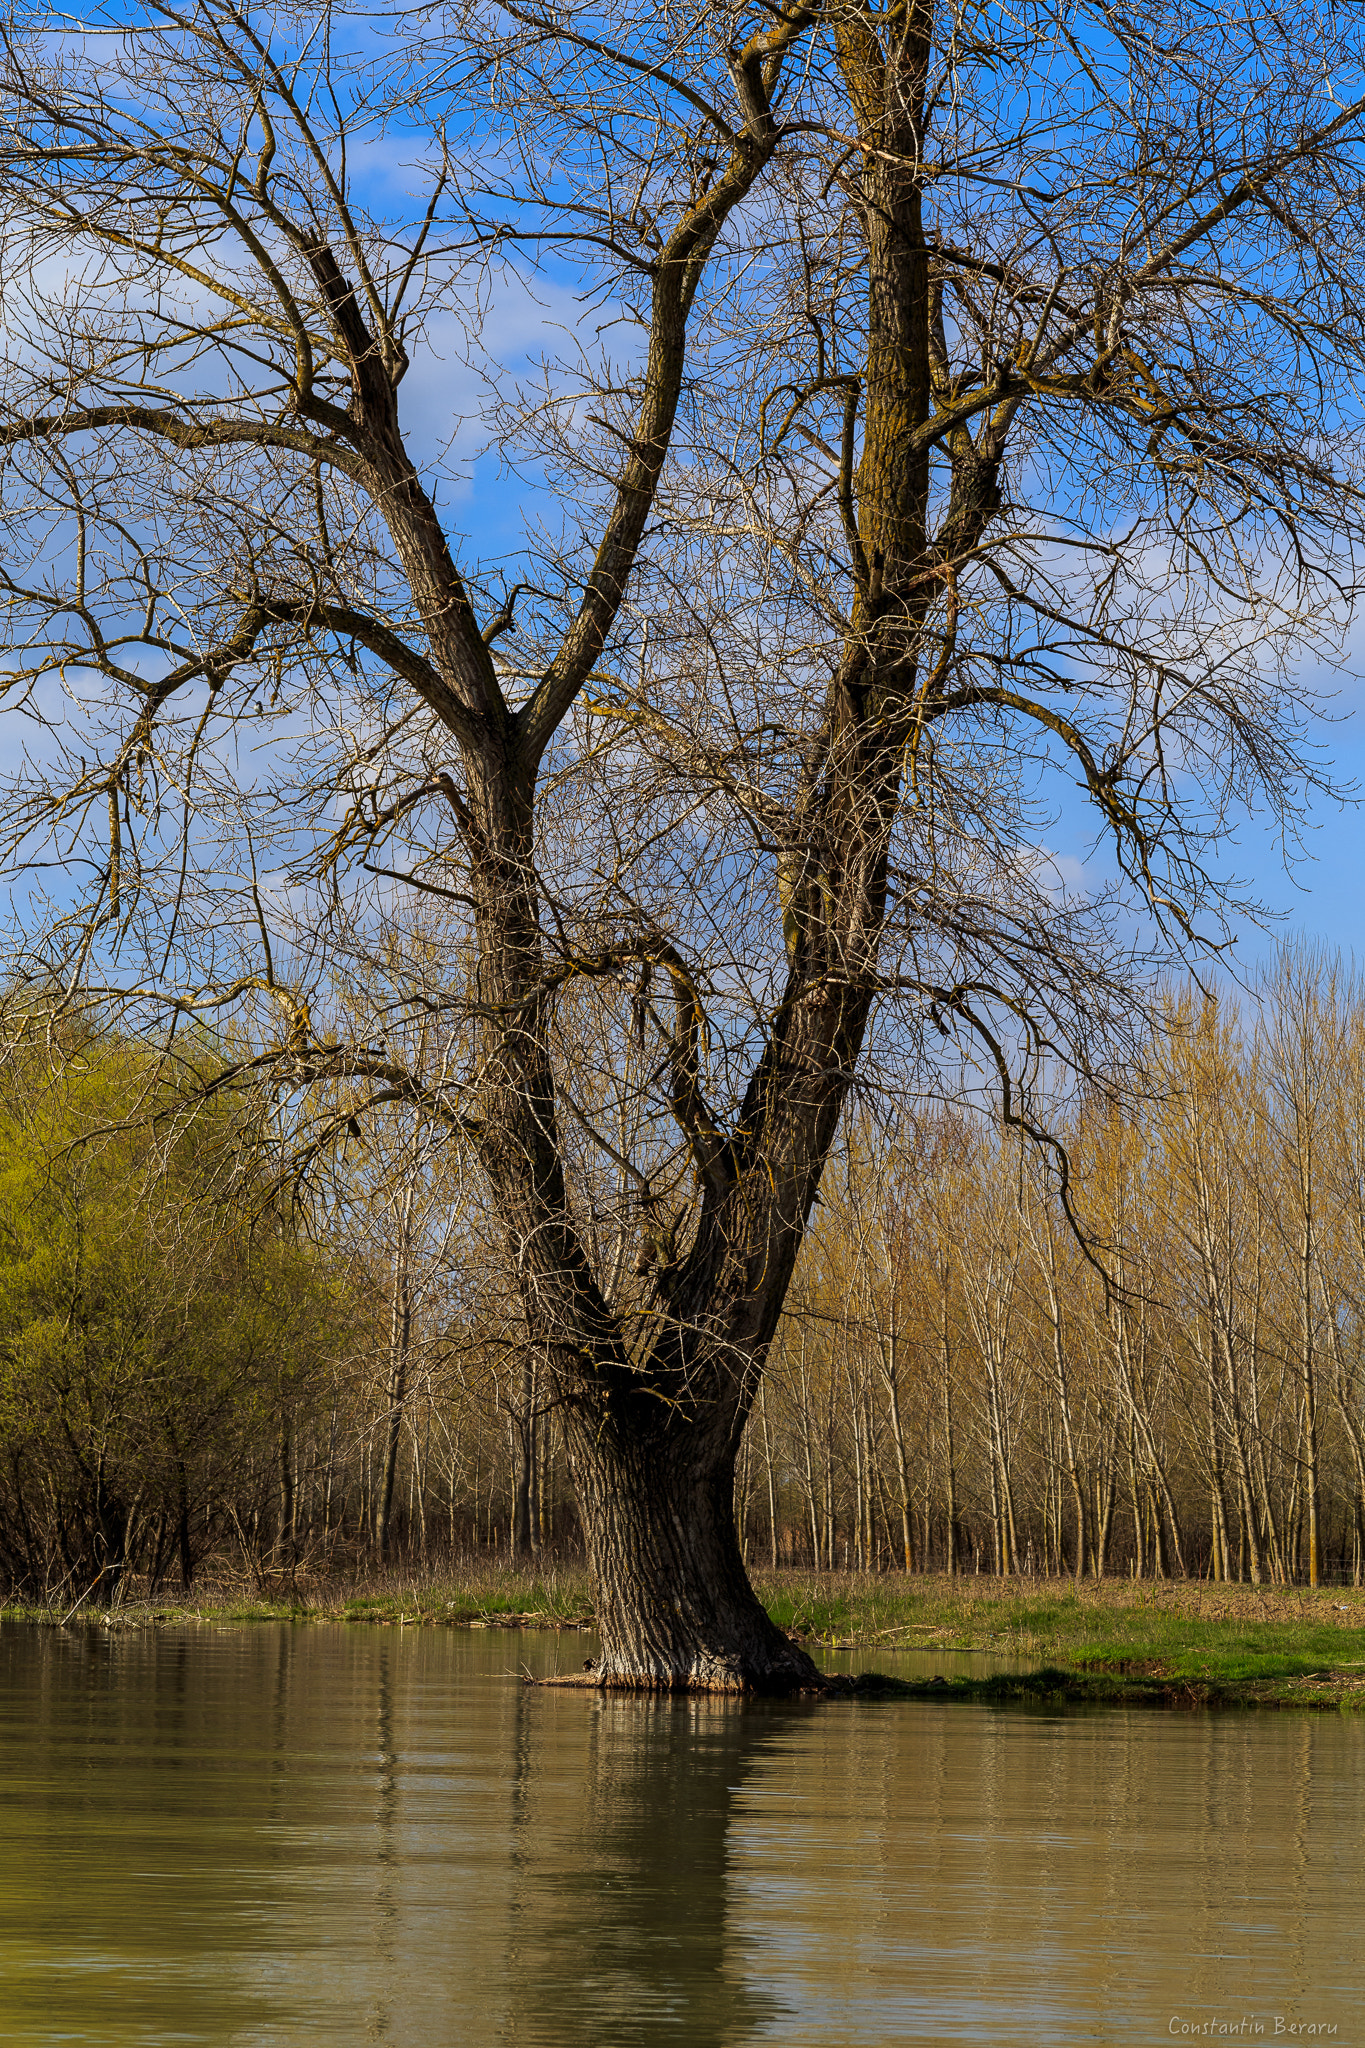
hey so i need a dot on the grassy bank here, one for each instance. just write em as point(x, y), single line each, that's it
point(1174, 1643)
point(486, 1596)
point(1171, 1643)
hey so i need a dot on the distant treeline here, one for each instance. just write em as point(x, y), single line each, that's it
point(963, 1382)
point(202, 1371)
point(208, 1365)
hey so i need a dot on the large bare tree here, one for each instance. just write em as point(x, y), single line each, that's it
point(937, 399)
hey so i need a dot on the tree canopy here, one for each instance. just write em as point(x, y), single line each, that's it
point(155, 1338)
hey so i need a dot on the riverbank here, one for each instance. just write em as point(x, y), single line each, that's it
point(1169, 1643)
point(1164, 1643)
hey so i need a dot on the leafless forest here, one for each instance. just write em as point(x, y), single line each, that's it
point(961, 1382)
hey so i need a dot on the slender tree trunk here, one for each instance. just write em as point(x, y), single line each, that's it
point(742, 1493)
point(808, 1457)
point(400, 1334)
point(1309, 1385)
point(1218, 1521)
point(1105, 1492)
point(533, 1466)
point(331, 1467)
point(1069, 1447)
point(997, 1523)
point(1349, 1411)
point(183, 1545)
point(521, 1443)
point(288, 1496)
point(855, 1417)
point(768, 1464)
point(949, 1450)
point(891, 1370)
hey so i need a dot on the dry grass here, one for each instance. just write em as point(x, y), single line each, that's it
point(974, 1610)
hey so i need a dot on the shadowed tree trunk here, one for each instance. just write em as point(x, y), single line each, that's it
point(396, 1380)
point(675, 1607)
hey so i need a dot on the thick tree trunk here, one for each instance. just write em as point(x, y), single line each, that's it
point(656, 1400)
point(675, 1610)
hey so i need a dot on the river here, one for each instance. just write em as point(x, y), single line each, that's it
point(319, 1833)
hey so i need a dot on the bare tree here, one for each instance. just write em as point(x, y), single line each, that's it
point(951, 400)
point(1306, 1031)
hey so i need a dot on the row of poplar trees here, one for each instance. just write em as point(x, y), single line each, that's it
point(967, 1383)
point(200, 1375)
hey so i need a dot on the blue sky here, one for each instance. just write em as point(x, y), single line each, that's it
point(1323, 895)
point(1314, 887)
point(1320, 895)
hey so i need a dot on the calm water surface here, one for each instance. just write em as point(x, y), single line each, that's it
point(346, 1835)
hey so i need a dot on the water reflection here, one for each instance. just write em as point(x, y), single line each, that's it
point(276, 1836)
point(623, 1815)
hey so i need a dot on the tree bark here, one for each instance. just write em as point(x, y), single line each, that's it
point(400, 1337)
point(521, 1437)
point(675, 1610)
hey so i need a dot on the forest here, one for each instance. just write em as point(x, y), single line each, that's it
point(205, 1375)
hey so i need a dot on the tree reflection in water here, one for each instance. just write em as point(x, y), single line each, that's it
point(622, 1928)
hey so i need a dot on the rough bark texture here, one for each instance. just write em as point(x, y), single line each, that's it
point(657, 1417)
point(675, 1610)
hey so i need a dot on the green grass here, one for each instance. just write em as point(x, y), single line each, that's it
point(554, 1600)
point(1174, 1643)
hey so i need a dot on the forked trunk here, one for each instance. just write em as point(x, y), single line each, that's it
point(675, 1609)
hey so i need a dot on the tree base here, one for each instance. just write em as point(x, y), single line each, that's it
point(675, 1610)
point(812, 1684)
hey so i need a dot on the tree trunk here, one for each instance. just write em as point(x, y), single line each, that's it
point(1069, 1448)
point(521, 1437)
point(892, 1375)
point(812, 1500)
point(949, 1456)
point(1308, 1381)
point(675, 1610)
point(184, 1547)
point(768, 1461)
point(1217, 1500)
point(855, 1418)
point(284, 1543)
point(400, 1335)
point(519, 1538)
